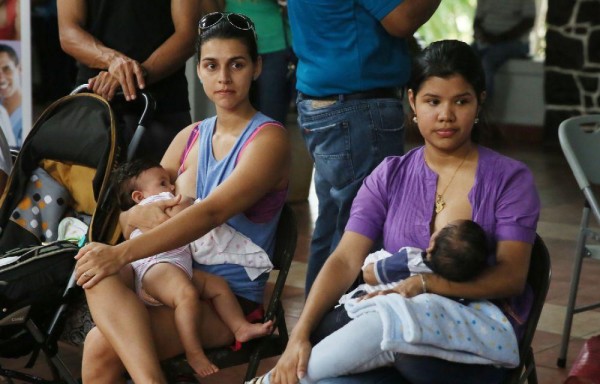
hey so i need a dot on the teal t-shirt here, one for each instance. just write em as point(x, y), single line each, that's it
point(343, 48)
point(267, 18)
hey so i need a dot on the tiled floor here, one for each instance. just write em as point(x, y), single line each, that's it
point(561, 210)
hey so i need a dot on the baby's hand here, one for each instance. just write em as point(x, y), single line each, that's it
point(369, 274)
point(184, 202)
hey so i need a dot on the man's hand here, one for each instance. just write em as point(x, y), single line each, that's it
point(129, 73)
point(104, 84)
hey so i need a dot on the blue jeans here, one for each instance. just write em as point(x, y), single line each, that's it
point(424, 370)
point(347, 140)
point(493, 56)
point(274, 85)
point(378, 376)
point(409, 368)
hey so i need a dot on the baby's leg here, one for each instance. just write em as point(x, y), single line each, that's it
point(217, 290)
point(171, 286)
point(354, 348)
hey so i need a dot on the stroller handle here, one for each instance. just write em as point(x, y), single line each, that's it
point(145, 116)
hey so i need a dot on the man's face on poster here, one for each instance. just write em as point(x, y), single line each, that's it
point(10, 80)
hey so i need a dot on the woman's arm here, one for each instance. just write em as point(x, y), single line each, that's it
point(516, 212)
point(334, 279)
point(146, 217)
point(184, 203)
point(263, 167)
point(171, 160)
point(506, 278)
point(151, 215)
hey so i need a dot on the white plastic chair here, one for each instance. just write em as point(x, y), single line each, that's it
point(580, 141)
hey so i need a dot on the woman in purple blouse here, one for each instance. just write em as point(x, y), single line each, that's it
point(407, 198)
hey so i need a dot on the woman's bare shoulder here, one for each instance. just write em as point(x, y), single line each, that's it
point(272, 141)
point(182, 137)
point(268, 153)
point(172, 156)
point(273, 131)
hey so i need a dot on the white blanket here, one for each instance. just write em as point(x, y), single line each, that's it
point(433, 325)
point(225, 245)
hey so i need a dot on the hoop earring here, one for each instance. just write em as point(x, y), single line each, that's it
point(415, 120)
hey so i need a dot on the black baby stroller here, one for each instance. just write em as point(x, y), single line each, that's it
point(62, 170)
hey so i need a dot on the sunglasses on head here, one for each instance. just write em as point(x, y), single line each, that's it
point(237, 20)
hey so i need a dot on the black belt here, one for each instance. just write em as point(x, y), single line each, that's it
point(380, 93)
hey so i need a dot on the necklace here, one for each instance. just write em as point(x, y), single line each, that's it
point(440, 204)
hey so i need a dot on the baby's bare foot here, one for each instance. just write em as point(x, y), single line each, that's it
point(250, 331)
point(200, 364)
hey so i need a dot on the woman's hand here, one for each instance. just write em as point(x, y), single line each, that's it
point(146, 217)
point(408, 287)
point(95, 261)
point(293, 363)
point(411, 286)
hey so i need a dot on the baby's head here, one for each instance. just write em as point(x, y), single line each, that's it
point(139, 179)
point(458, 251)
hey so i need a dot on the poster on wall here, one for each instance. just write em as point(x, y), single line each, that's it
point(15, 71)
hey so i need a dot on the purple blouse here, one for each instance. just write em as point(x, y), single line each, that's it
point(396, 203)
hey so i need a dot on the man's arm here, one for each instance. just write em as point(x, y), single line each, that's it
point(129, 73)
point(88, 50)
point(515, 32)
point(180, 46)
point(408, 16)
point(78, 42)
point(512, 34)
point(479, 34)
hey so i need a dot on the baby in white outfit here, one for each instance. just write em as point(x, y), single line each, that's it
point(157, 281)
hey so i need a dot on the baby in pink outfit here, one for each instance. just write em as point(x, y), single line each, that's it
point(165, 279)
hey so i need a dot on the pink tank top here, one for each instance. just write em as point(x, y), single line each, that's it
point(263, 210)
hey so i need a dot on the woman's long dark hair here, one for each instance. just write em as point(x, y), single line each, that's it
point(224, 30)
point(444, 59)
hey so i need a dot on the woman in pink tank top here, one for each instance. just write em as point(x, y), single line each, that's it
point(123, 339)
